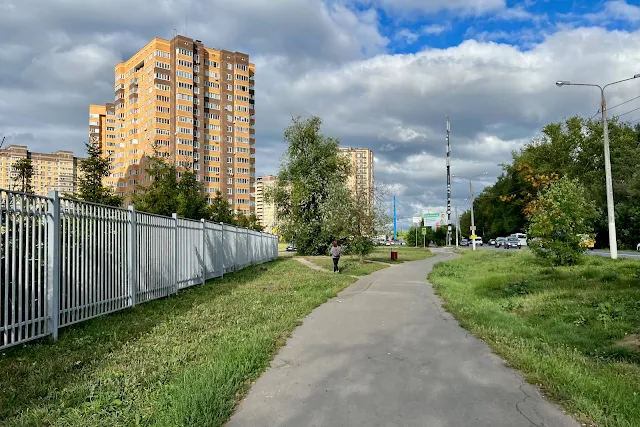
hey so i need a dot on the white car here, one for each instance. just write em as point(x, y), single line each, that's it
point(479, 241)
point(638, 247)
point(521, 237)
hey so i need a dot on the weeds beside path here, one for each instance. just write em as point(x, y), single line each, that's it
point(180, 361)
point(573, 330)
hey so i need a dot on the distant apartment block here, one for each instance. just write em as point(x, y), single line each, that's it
point(190, 104)
point(56, 171)
point(265, 211)
point(360, 180)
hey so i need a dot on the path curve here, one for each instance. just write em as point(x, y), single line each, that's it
point(385, 353)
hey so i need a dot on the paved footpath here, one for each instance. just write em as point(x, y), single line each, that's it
point(385, 353)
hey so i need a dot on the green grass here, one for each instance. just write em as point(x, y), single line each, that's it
point(181, 361)
point(405, 253)
point(350, 264)
point(574, 330)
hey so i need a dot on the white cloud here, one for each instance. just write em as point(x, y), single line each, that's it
point(464, 7)
point(435, 29)
point(328, 59)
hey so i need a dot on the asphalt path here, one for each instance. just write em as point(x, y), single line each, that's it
point(384, 354)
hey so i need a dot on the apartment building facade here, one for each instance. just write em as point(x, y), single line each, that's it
point(360, 180)
point(190, 104)
point(56, 171)
point(266, 211)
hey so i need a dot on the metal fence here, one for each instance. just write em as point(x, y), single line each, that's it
point(81, 260)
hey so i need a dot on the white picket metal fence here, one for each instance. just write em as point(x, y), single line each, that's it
point(81, 260)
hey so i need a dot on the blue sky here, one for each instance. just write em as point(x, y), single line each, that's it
point(382, 74)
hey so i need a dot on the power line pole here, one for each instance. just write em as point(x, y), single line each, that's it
point(448, 183)
point(457, 225)
point(473, 224)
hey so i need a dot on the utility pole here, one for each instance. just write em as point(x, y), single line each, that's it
point(448, 183)
point(473, 224)
point(457, 225)
point(394, 219)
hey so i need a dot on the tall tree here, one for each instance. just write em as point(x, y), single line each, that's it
point(191, 199)
point(160, 194)
point(250, 221)
point(571, 148)
point(311, 169)
point(93, 171)
point(219, 210)
point(24, 177)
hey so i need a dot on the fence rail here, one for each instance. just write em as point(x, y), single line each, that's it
point(79, 260)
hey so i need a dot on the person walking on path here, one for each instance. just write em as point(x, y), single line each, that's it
point(335, 256)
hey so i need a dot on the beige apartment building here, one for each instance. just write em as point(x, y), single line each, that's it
point(57, 171)
point(361, 179)
point(189, 103)
point(265, 211)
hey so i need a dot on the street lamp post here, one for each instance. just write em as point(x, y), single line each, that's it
point(473, 223)
point(613, 242)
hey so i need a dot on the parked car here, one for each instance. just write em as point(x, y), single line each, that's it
point(513, 242)
point(638, 247)
point(479, 241)
point(500, 241)
point(464, 242)
point(492, 242)
point(522, 238)
point(291, 247)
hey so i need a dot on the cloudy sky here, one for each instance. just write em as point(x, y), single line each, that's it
point(382, 74)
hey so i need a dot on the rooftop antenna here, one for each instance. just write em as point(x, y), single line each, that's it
point(2, 143)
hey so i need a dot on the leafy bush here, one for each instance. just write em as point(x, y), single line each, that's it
point(558, 218)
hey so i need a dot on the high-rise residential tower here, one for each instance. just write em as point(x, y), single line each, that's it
point(56, 171)
point(190, 104)
point(265, 211)
point(360, 180)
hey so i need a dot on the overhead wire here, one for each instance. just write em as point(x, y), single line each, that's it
point(617, 105)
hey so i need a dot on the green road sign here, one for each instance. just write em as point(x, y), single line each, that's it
point(424, 231)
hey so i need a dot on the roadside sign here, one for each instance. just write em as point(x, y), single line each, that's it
point(424, 231)
point(473, 236)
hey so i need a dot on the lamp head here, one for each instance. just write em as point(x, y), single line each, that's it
point(561, 83)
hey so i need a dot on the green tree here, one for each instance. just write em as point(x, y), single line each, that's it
point(160, 194)
point(559, 216)
point(24, 167)
point(165, 194)
point(250, 221)
point(191, 199)
point(310, 171)
point(90, 184)
point(219, 210)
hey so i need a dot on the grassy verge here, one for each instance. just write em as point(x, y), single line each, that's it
point(181, 361)
point(351, 264)
point(574, 330)
point(348, 265)
point(383, 254)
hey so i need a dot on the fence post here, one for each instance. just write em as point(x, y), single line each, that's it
point(133, 256)
point(248, 250)
point(174, 255)
point(53, 264)
point(204, 249)
point(222, 246)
